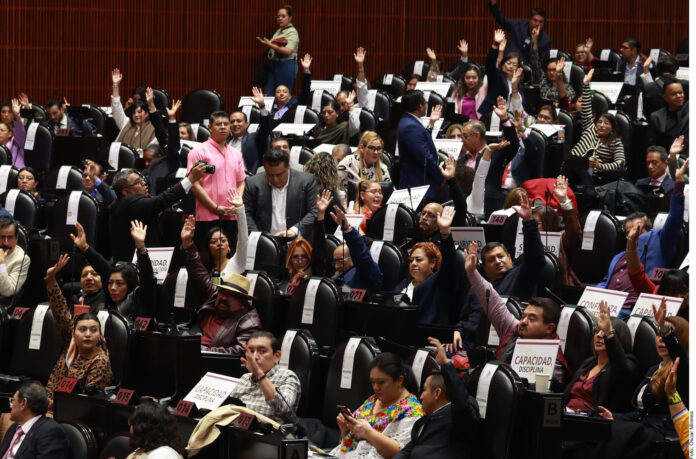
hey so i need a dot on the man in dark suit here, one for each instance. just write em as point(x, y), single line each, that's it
point(251, 144)
point(416, 148)
point(135, 203)
point(666, 68)
point(60, 123)
point(280, 200)
point(520, 32)
point(656, 162)
point(33, 435)
point(449, 427)
point(670, 122)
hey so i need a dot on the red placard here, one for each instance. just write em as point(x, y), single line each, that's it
point(142, 322)
point(66, 385)
point(80, 309)
point(123, 397)
point(657, 274)
point(498, 219)
point(357, 294)
point(183, 408)
point(19, 312)
point(244, 420)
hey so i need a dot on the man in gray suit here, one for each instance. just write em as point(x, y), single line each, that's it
point(280, 200)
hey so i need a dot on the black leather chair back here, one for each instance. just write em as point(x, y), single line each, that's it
point(118, 447)
point(500, 428)
point(5, 155)
point(551, 274)
point(127, 156)
point(82, 441)
point(360, 389)
point(25, 210)
point(88, 212)
point(202, 134)
point(429, 366)
point(326, 99)
point(183, 154)
point(394, 265)
point(540, 141)
point(182, 315)
point(266, 293)
point(644, 344)
point(560, 53)
point(368, 122)
point(22, 237)
point(600, 103)
point(383, 105)
point(304, 355)
point(410, 70)
point(162, 100)
point(199, 104)
point(39, 114)
point(97, 117)
point(579, 337)
point(682, 246)
point(269, 256)
point(305, 155)
point(484, 327)
point(434, 100)
point(328, 309)
point(591, 265)
point(310, 116)
point(73, 182)
point(404, 221)
point(35, 363)
point(626, 131)
point(577, 75)
point(41, 155)
point(396, 88)
point(253, 115)
point(117, 336)
point(569, 123)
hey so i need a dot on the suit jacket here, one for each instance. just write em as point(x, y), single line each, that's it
point(254, 144)
point(497, 84)
point(450, 431)
point(667, 183)
point(45, 440)
point(662, 131)
point(652, 96)
point(300, 207)
point(73, 128)
point(417, 155)
point(520, 41)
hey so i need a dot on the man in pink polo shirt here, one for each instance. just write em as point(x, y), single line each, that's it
point(211, 191)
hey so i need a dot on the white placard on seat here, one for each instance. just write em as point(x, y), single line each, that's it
point(348, 360)
point(419, 363)
point(566, 313)
point(464, 236)
point(114, 151)
point(330, 86)
point(410, 197)
point(31, 136)
point(418, 68)
point(37, 326)
point(550, 239)
point(73, 207)
point(11, 200)
point(252, 242)
point(493, 338)
point(316, 99)
point(483, 388)
point(180, 288)
point(499, 217)
point(286, 347)
point(633, 323)
point(495, 123)
point(389, 222)
point(683, 73)
point(324, 148)
point(553, 53)
point(160, 258)
point(588, 232)
point(300, 111)
point(62, 178)
point(247, 111)
point(376, 250)
point(549, 130)
point(371, 98)
point(592, 296)
point(433, 86)
point(337, 77)
point(646, 301)
point(194, 128)
point(354, 220)
point(611, 89)
point(295, 155)
point(604, 55)
point(660, 220)
point(211, 391)
point(451, 147)
point(309, 300)
point(388, 79)
point(4, 175)
point(534, 356)
point(291, 128)
point(103, 316)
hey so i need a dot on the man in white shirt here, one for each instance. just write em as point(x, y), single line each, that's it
point(14, 262)
point(33, 435)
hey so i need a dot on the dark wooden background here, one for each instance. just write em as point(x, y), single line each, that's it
point(67, 48)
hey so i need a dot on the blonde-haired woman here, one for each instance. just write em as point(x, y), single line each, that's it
point(367, 163)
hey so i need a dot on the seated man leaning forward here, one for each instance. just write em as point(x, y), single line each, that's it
point(268, 388)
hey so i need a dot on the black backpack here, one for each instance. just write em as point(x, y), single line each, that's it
point(621, 197)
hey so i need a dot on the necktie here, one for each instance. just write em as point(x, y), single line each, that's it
point(15, 439)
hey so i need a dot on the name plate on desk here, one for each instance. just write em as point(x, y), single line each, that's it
point(609, 89)
point(432, 86)
point(357, 294)
point(211, 391)
point(296, 129)
point(451, 147)
point(592, 296)
point(534, 357)
point(410, 197)
point(465, 236)
point(66, 385)
point(330, 86)
point(646, 301)
point(124, 397)
point(551, 241)
point(160, 258)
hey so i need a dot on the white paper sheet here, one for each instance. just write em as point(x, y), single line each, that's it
point(286, 346)
point(418, 363)
point(299, 114)
point(252, 242)
point(73, 207)
point(483, 388)
point(309, 301)
point(31, 136)
point(4, 175)
point(389, 222)
point(114, 150)
point(376, 250)
point(180, 288)
point(11, 200)
point(37, 326)
point(62, 178)
point(588, 232)
point(348, 360)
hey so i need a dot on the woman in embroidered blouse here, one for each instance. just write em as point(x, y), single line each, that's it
point(367, 163)
point(382, 425)
point(85, 356)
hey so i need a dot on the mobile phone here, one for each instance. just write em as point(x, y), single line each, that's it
point(344, 410)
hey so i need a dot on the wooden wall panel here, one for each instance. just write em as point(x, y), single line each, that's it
point(68, 48)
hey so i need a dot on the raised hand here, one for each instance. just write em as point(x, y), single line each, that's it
point(450, 168)
point(196, 173)
point(588, 77)
point(150, 98)
point(251, 365)
point(80, 240)
point(501, 109)
point(24, 100)
point(306, 62)
point(646, 64)
point(116, 76)
point(588, 44)
point(323, 202)
point(633, 235)
point(518, 122)
point(517, 77)
point(524, 211)
point(171, 112)
point(431, 54)
point(681, 172)
point(676, 148)
point(444, 220)
point(55, 269)
point(456, 343)
point(471, 261)
point(660, 313)
point(603, 319)
point(498, 35)
point(499, 145)
point(560, 63)
point(188, 231)
point(435, 114)
point(257, 97)
point(671, 381)
point(65, 101)
point(535, 34)
point(138, 232)
point(16, 107)
point(440, 354)
point(560, 188)
point(234, 198)
point(463, 48)
point(339, 217)
point(350, 99)
point(359, 55)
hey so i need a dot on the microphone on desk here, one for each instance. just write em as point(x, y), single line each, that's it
point(294, 427)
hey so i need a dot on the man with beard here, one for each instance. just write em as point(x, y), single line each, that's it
point(14, 263)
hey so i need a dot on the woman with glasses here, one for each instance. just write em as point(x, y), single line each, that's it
point(552, 84)
point(367, 163)
point(26, 180)
point(370, 199)
point(583, 55)
point(504, 79)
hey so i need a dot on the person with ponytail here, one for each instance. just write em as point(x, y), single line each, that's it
point(84, 355)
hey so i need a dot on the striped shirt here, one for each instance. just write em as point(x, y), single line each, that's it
point(610, 158)
point(285, 382)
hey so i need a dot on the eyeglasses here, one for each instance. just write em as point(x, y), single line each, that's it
point(340, 261)
point(13, 401)
point(375, 149)
point(139, 181)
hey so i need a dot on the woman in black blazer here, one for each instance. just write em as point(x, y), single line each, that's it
point(504, 79)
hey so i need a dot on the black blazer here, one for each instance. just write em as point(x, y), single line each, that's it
point(663, 128)
point(300, 207)
point(255, 144)
point(520, 39)
point(450, 432)
point(667, 183)
point(45, 440)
